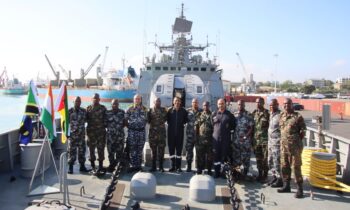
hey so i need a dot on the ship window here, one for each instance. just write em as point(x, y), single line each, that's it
point(179, 68)
point(195, 69)
point(212, 69)
point(157, 67)
point(188, 68)
point(149, 68)
point(165, 68)
point(159, 89)
point(173, 68)
point(203, 69)
point(199, 89)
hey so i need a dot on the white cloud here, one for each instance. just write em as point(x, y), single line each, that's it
point(340, 63)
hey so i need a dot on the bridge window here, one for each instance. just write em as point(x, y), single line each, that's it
point(173, 68)
point(159, 89)
point(188, 68)
point(199, 89)
point(179, 68)
point(203, 69)
point(157, 67)
point(195, 69)
point(149, 68)
point(212, 69)
point(165, 68)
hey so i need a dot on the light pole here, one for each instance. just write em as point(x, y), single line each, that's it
point(276, 56)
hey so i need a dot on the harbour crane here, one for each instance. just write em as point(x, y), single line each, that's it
point(248, 86)
point(3, 77)
point(55, 73)
point(100, 69)
point(67, 74)
point(86, 72)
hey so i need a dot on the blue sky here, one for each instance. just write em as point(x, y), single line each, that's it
point(311, 38)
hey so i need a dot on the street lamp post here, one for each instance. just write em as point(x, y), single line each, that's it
point(276, 56)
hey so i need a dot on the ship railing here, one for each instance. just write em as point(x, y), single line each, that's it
point(338, 145)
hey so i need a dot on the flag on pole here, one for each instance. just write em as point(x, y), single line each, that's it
point(32, 106)
point(48, 115)
point(61, 106)
point(26, 130)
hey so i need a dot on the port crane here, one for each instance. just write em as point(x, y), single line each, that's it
point(100, 69)
point(83, 72)
point(248, 86)
point(55, 73)
point(3, 77)
point(67, 74)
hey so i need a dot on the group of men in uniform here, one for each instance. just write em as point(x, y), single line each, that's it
point(218, 137)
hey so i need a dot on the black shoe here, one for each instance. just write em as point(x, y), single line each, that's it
point(83, 168)
point(70, 169)
point(285, 188)
point(189, 166)
point(272, 180)
point(199, 171)
point(179, 170)
point(172, 169)
point(299, 193)
point(277, 183)
point(110, 168)
point(93, 165)
point(210, 173)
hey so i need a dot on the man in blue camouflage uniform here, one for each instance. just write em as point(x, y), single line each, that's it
point(274, 145)
point(242, 143)
point(157, 117)
point(204, 139)
point(176, 118)
point(261, 126)
point(293, 129)
point(115, 122)
point(96, 131)
point(192, 115)
point(223, 124)
point(77, 136)
point(136, 118)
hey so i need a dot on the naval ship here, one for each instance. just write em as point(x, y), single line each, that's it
point(181, 71)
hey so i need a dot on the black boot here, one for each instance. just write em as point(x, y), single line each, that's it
point(70, 169)
point(199, 170)
point(100, 165)
point(173, 168)
point(260, 176)
point(209, 171)
point(111, 167)
point(189, 166)
point(299, 193)
point(277, 183)
point(272, 180)
point(161, 169)
point(93, 165)
point(154, 165)
point(178, 165)
point(83, 168)
point(285, 188)
point(217, 171)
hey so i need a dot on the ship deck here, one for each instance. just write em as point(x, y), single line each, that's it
point(173, 189)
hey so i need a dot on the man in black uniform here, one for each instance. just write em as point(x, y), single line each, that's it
point(176, 118)
point(224, 123)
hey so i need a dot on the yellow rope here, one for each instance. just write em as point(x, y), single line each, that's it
point(306, 159)
point(322, 173)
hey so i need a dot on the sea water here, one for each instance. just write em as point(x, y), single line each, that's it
point(13, 107)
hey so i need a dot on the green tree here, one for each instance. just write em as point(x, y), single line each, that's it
point(308, 89)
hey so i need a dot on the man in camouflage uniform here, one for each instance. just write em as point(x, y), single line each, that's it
point(261, 126)
point(292, 133)
point(242, 143)
point(96, 131)
point(192, 115)
point(136, 118)
point(77, 136)
point(274, 145)
point(156, 119)
point(204, 139)
point(115, 122)
point(223, 124)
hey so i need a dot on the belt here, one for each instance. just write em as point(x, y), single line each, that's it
point(134, 129)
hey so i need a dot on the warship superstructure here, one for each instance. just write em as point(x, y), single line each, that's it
point(181, 71)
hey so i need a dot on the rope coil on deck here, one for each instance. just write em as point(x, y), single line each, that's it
point(322, 172)
point(306, 159)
